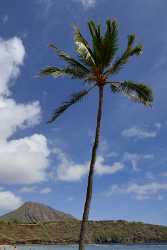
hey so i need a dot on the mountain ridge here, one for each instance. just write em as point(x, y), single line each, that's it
point(34, 212)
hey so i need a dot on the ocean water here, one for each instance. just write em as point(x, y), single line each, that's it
point(94, 247)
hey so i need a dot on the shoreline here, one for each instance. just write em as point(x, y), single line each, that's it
point(94, 244)
point(4, 246)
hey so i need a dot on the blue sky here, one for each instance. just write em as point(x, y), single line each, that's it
point(49, 163)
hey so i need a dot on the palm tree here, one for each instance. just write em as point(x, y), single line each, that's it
point(96, 64)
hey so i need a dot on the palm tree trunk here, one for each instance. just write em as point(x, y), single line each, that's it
point(91, 173)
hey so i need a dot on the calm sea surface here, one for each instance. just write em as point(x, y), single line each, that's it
point(95, 247)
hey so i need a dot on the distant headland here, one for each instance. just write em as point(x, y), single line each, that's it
point(35, 223)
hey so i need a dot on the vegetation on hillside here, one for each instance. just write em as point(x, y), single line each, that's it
point(68, 232)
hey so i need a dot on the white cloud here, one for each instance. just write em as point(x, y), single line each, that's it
point(134, 158)
point(102, 168)
point(139, 133)
point(67, 170)
point(35, 189)
point(46, 190)
point(158, 125)
point(22, 160)
point(9, 201)
point(104, 147)
point(17, 116)
point(12, 55)
point(30, 189)
point(49, 3)
point(143, 191)
point(87, 3)
point(112, 154)
point(70, 198)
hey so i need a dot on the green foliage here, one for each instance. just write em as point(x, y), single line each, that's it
point(98, 62)
point(73, 72)
point(67, 58)
point(82, 48)
point(16, 221)
point(104, 46)
point(131, 39)
point(129, 52)
point(53, 71)
point(2, 222)
point(76, 97)
point(110, 41)
point(137, 92)
point(98, 232)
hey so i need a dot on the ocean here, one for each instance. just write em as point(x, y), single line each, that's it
point(94, 247)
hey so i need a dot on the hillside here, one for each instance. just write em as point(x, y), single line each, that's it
point(32, 212)
point(67, 232)
point(38, 223)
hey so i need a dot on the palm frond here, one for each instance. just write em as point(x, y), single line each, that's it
point(137, 50)
point(76, 97)
point(131, 39)
point(52, 71)
point(67, 58)
point(110, 42)
point(77, 73)
point(137, 92)
point(95, 32)
point(83, 49)
point(73, 72)
point(122, 60)
point(104, 46)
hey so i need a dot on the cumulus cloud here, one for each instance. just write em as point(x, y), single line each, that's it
point(135, 158)
point(112, 154)
point(17, 116)
point(139, 133)
point(102, 168)
point(12, 54)
point(143, 191)
point(158, 125)
point(45, 190)
point(22, 160)
point(67, 170)
point(70, 198)
point(28, 189)
point(49, 3)
point(35, 189)
point(9, 201)
point(87, 3)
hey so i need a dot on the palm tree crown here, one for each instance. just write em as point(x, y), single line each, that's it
point(97, 63)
